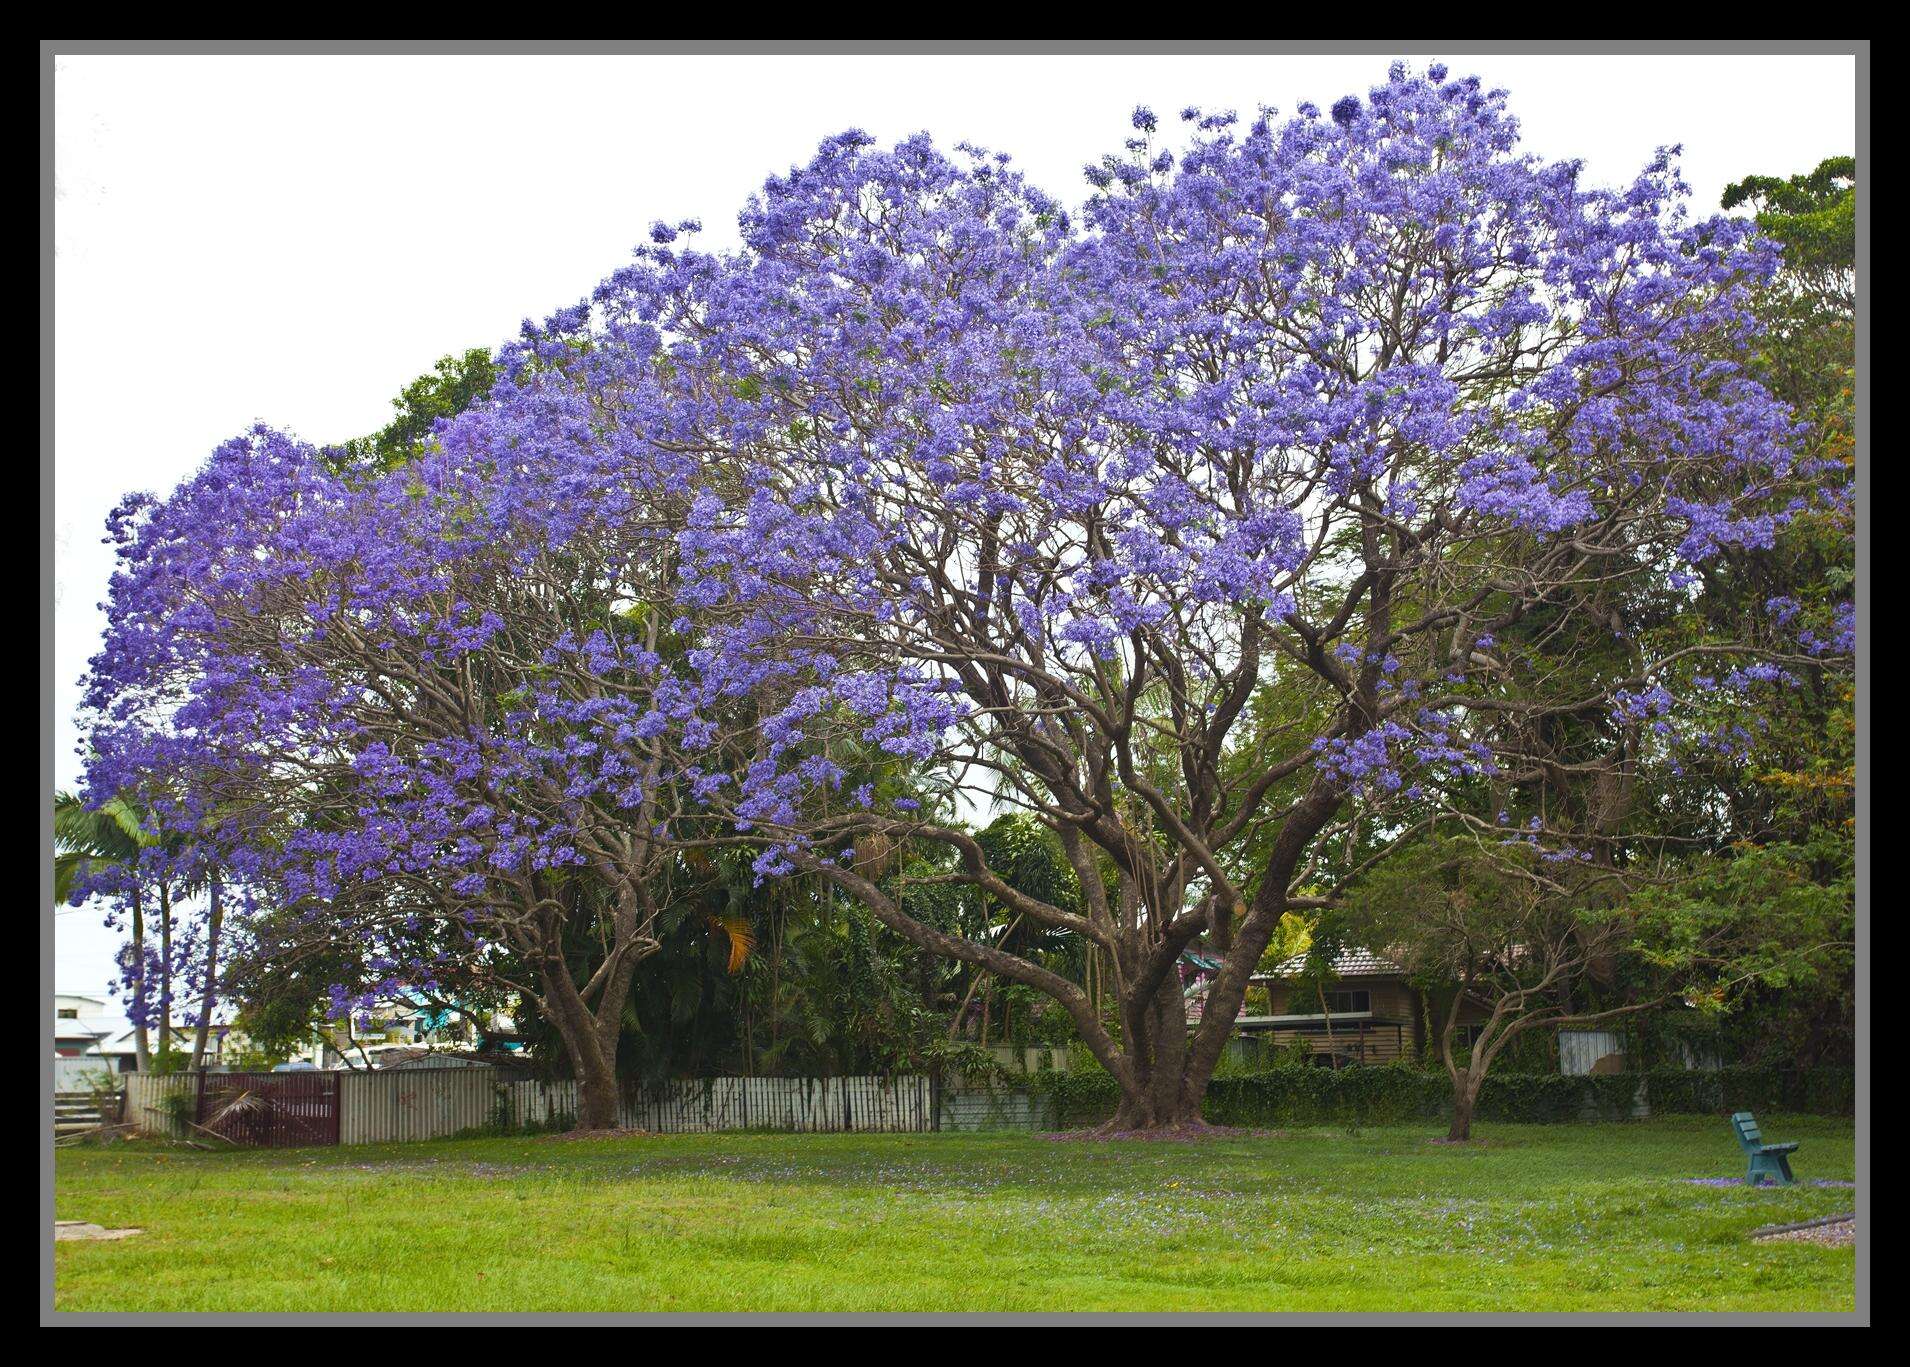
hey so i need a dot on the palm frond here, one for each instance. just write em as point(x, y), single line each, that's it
point(742, 938)
point(69, 866)
point(112, 831)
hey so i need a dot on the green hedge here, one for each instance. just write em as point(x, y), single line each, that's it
point(1298, 1095)
point(1809, 1091)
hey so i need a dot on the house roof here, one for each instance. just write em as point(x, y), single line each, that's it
point(179, 1032)
point(1353, 962)
point(419, 1056)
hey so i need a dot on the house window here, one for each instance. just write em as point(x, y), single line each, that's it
point(1465, 1036)
point(68, 1013)
point(1345, 1003)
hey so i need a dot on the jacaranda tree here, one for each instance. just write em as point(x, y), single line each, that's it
point(1328, 406)
point(434, 680)
point(1044, 508)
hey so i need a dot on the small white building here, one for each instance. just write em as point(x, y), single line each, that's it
point(88, 1027)
point(78, 1025)
point(124, 1052)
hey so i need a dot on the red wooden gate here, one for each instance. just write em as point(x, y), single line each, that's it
point(270, 1110)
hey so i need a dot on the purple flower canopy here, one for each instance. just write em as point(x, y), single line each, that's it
point(936, 469)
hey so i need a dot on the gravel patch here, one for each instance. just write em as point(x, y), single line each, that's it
point(1839, 1231)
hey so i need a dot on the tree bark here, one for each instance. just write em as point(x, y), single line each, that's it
point(597, 1089)
point(165, 973)
point(142, 1042)
point(208, 999)
point(1229, 990)
point(1465, 1097)
point(1465, 1082)
point(1155, 1095)
point(593, 1057)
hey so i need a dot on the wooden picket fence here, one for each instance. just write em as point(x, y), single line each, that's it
point(813, 1104)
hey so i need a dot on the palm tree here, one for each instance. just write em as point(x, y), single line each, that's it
point(86, 837)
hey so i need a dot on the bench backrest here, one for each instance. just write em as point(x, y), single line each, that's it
point(1748, 1133)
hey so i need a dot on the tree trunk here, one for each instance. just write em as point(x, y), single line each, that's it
point(591, 1049)
point(597, 1088)
point(142, 1043)
point(165, 973)
point(1157, 1096)
point(1251, 938)
point(1465, 1097)
point(207, 999)
point(1465, 1082)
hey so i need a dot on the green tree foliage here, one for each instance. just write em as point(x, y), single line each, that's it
point(451, 386)
point(1526, 946)
point(1813, 214)
point(1779, 838)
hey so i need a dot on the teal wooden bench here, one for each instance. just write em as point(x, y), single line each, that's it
point(1767, 1160)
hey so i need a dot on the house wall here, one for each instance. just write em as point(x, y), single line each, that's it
point(1392, 1000)
point(1363, 1040)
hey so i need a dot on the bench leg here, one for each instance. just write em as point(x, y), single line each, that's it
point(1784, 1168)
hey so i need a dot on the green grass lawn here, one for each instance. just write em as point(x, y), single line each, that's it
point(1593, 1217)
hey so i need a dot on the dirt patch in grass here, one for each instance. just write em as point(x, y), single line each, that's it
point(86, 1229)
point(565, 1135)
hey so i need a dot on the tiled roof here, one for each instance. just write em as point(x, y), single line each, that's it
point(1352, 963)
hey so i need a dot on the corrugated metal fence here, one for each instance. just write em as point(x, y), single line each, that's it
point(1580, 1050)
point(415, 1103)
point(162, 1103)
point(432, 1103)
point(84, 1075)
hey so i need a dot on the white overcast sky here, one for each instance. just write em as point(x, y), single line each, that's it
point(293, 239)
